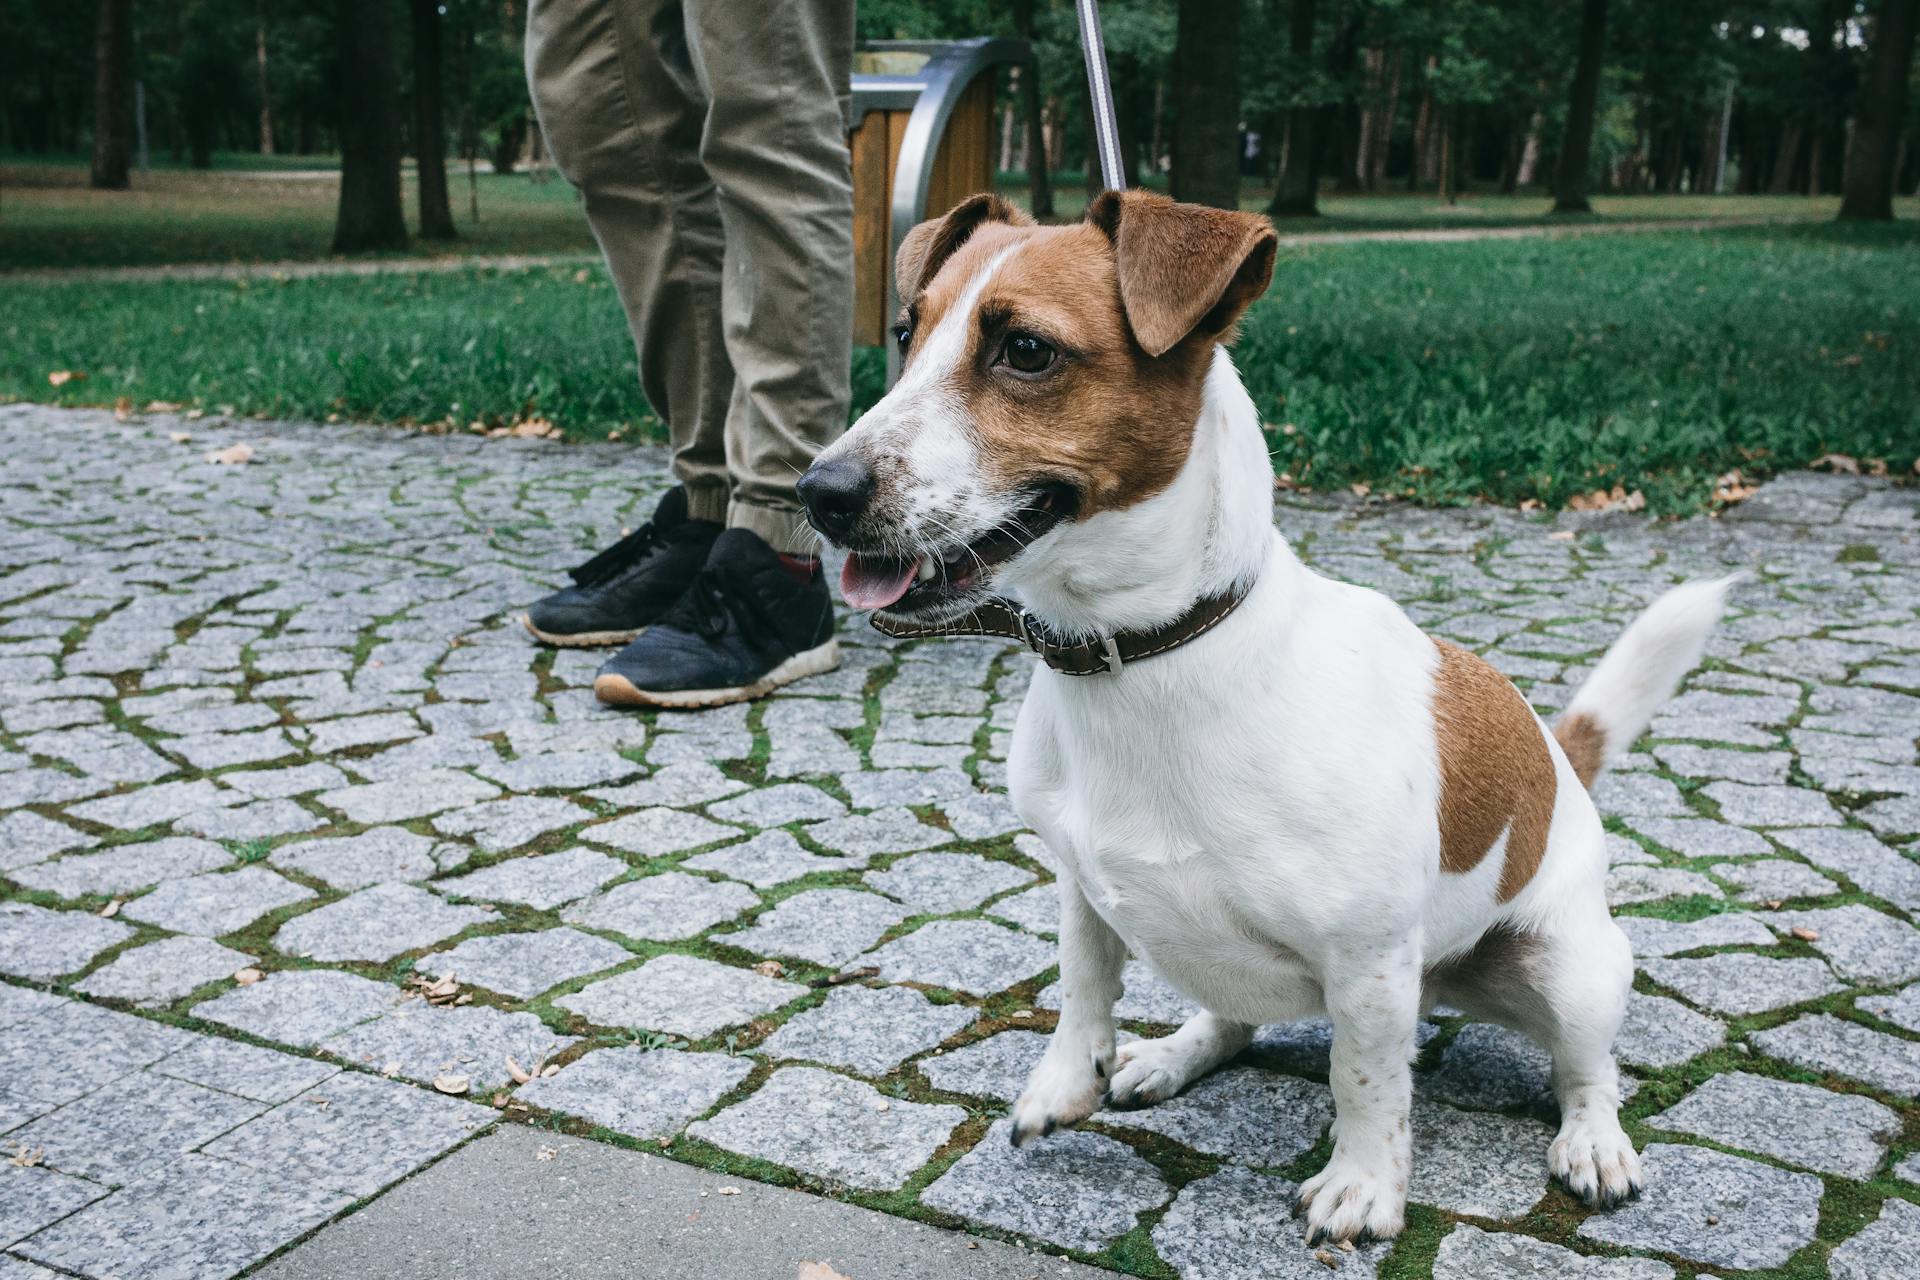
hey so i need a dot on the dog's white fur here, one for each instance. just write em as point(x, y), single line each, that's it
point(1255, 813)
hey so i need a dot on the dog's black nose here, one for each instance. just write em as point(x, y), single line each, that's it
point(835, 494)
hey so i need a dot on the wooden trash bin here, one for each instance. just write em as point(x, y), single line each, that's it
point(922, 140)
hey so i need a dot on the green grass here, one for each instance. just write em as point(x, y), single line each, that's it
point(1510, 370)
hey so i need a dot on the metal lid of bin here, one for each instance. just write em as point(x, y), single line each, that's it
point(905, 70)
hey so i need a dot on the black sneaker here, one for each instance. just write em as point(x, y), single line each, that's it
point(623, 590)
point(744, 628)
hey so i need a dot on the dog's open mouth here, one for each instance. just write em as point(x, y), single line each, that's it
point(879, 580)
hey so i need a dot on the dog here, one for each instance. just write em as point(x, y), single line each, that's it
point(1272, 786)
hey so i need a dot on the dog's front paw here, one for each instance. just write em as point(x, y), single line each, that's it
point(1066, 1088)
point(1594, 1160)
point(1149, 1071)
point(1350, 1201)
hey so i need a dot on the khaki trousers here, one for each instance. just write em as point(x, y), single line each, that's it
point(708, 139)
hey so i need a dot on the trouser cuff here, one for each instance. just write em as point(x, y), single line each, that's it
point(785, 529)
point(707, 502)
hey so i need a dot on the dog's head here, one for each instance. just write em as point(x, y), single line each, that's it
point(1049, 374)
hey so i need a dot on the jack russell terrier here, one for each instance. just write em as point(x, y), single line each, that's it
point(1272, 786)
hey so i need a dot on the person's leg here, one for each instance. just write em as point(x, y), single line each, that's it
point(623, 113)
point(777, 84)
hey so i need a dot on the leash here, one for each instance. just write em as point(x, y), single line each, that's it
point(1106, 126)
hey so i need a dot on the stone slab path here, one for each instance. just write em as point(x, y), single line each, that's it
point(296, 824)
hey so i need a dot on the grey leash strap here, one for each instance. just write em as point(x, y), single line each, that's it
point(1106, 128)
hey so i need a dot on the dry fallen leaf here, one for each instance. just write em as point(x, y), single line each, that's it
point(517, 1073)
point(546, 1153)
point(437, 991)
point(1732, 487)
point(61, 377)
point(161, 406)
point(123, 409)
point(1359, 490)
point(854, 975)
point(532, 429)
point(729, 1191)
point(1530, 505)
point(582, 276)
point(819, 1271)
point(551, 1070)
point(1561, 535)
point(1805, 934)
point(769, 968)
point(452, 1082)
point(232, 456)
point(247, 977)
point(1838, 463)
point(111, 910)
point(179, 437)
point(1331, 1261)
point(27, 1157)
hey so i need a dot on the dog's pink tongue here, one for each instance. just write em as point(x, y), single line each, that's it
point(873, 583)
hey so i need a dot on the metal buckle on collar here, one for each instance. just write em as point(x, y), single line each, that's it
point(1112, 650)
point(1029, 635)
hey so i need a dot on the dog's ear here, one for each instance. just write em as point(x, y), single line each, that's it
point(1185, 269)
point(928, 246)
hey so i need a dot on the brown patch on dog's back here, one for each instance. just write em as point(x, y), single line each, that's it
point(1585, 743)
point(1496, 773)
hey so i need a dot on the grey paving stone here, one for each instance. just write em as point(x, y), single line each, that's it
point(1737, 983)
point(1652, 937)
point(1036, 910)
point(375, 923)
point(1908, 1170)
point(124, 868)
point(1770, 806)
point(72, 1049)
point(243, 1069)
point(1075, 1189)
point(424, 792)
point(38, 943)
point(776, 806)
point(1658, 1032)
point(1867, 862)
point(1701, 837)
point(826, 926)
point(1888, 1245)
point(549, 880)
point(525, 964)
point(220, 750)
point(33, 1196)
point(653, 832)
point(155, 805)
point(301, 1006)
point(1306, 1046)
point(1248, 1115)
point(889, 788)
point(164, 971)
point(27, 837)
point(1652, 884)
point(681, 995)
point(1639, 795)
point(138, 1121)
point(665, 908)
point(973, 956)
point(354, 862)
point(678, 786)
point(1239, 1225)
point(867, 835)
point(1797, 1124)
point(256, 821)
point(1863, 945)
point(561, 770)
point(1902, 1008)
point(938, 883)
point(421, 1041)
point(1477, 1163)
point(1489, 1066)
point(280, 784)
point(1773, 879)
point(832, 1128)
point(1713, 1208)
point(1757, 767)
point(868, 1030)
point(1821, 1042)
point(1145, 997)
point(640, 1092)
point(500, 825)
point(351, 1135)
point(996, 1067)
point(216, 903)
point(1468, 1253)
point(18, 1004)
point(770, 858)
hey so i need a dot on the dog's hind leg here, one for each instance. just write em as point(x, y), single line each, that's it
point(1150, 1071)
point(1071, 1081)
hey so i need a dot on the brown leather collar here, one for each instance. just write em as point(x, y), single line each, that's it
point(1102, 656)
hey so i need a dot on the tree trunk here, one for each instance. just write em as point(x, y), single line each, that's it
point(1530, 153)
point(1343, 120)
point(1576, 146)
point(1786, 158)
point(1881, 109)
point(1206, 103)
point(1039, 186)
point(429, 126)
point(370, 215)
point(266, 92)
point(112, 94)
point(1383, 128)
point(1447, 195)
point(1296, 195)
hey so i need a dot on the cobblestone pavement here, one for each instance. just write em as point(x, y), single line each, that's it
point(276, 719)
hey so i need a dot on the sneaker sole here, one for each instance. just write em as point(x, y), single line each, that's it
point(618, 691)
point(580, 639)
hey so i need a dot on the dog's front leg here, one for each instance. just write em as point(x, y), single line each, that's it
point(1071, 1081)
point(1374, 1000)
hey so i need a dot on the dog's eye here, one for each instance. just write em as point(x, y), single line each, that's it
point(902, 335)
point(1025, 353)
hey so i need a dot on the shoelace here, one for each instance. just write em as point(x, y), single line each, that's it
point(710, 603)
point(616, 559)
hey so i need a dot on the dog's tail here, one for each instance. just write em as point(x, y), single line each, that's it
point(1641, 671)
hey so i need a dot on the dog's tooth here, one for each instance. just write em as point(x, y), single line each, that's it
point(954, 553)
point(925, 571)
